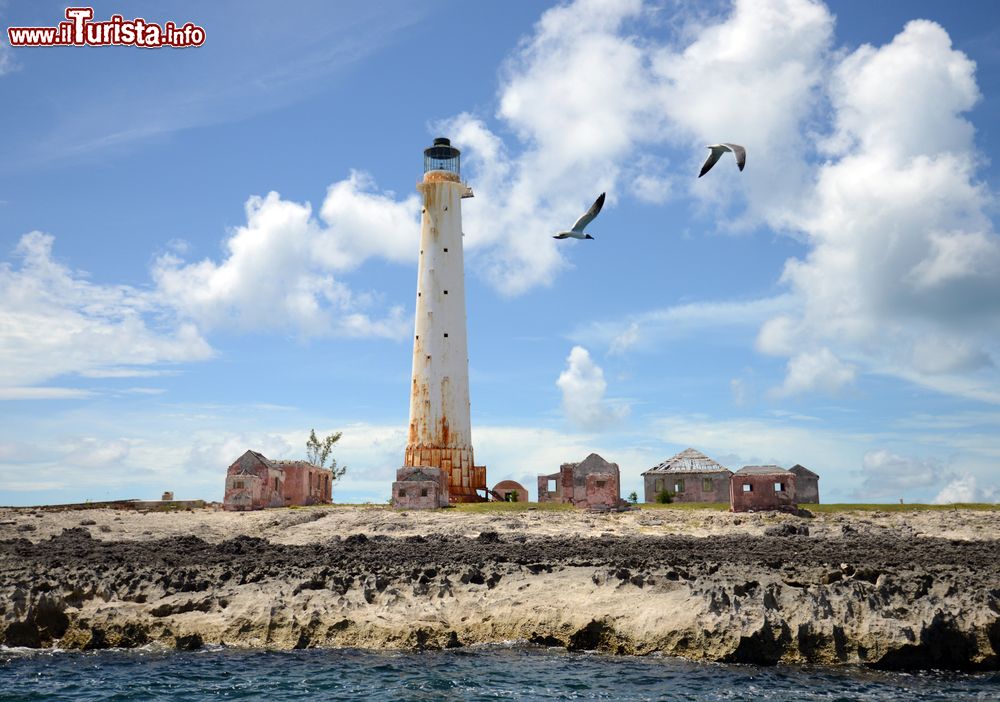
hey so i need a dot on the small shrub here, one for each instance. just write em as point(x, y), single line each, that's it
point(633, 497)
point(665, 497)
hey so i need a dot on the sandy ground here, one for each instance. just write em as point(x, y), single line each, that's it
point(317, 524)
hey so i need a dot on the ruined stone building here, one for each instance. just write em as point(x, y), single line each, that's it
point(690, 476)
point(755, 488)
point(255, 482)
point(806, 485)
point(422, 487)
point(589, 483)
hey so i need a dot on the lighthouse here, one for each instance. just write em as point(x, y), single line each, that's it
point(438, 465)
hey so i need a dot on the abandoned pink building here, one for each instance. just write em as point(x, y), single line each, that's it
point(689, 476)
point(757, 488)
point(420, 487)
point(255, 482)
point(589, 483)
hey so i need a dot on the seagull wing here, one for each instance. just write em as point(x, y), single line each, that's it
point(710, 161)
point(591, 213)
point(740, 153)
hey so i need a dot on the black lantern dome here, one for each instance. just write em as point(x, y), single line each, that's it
point(442, 157)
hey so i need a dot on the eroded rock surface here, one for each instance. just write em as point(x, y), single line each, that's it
point(871, 596)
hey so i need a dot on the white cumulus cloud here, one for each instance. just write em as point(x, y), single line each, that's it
point(56, 323)
point(966, 489)
point(281, 268)
point(583, 388)
point(901, 271)
point(888, 474)
point(817, 370)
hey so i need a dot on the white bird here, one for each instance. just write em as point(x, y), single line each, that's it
point(718, 150)
point(577, 231)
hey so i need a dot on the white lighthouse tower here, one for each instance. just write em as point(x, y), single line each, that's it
point(439, 445)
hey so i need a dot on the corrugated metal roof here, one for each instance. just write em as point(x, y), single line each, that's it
point(761, 470)
point(689, 461)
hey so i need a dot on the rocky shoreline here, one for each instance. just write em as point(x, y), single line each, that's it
point(763, 591)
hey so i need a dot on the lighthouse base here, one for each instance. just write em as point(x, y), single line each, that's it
point(462, 477)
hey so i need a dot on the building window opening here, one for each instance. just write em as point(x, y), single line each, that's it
point(747, 487)
point(706, 485)
point(658, 485)
point(779, 487)
point(446, 250)
point(423, 492)
point(445, 292)
point(601, 483)
point(275, 483)
point(402, 493)
point(238, 485)
point(679, 486)
point(552, 485)
point(446, 335)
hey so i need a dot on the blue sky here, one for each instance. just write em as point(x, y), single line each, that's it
point(213, 249)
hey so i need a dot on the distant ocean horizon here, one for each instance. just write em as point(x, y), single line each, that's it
point(514, 672)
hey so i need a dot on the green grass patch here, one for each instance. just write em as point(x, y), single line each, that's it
point(512, 506)
point(493, 507)
point(716, 506)
point(896, 507)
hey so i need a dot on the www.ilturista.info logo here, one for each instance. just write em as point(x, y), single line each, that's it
point(80, 30)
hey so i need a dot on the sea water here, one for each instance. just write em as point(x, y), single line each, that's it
point(492, 673)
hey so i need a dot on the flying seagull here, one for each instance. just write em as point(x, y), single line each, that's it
point(577, 231)
point(718, 150)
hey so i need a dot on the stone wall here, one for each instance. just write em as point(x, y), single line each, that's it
point(420, 487)
point(253, 487)
point(601, 489)
point(592, 481)
point(694, 484)
point(306, 484)
point(546, 495)
point(807, 489)
point(762, 494)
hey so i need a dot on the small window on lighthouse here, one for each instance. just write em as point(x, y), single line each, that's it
point(445, 292)
point(446, 335)
point(446, 250)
